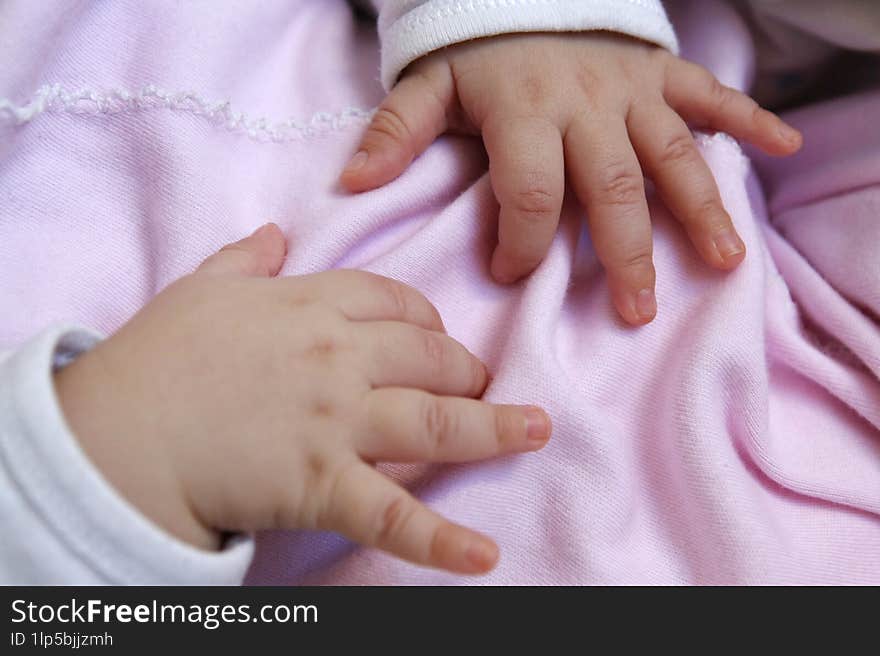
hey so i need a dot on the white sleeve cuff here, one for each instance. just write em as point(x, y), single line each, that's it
point(72, 526)
point(409, 29)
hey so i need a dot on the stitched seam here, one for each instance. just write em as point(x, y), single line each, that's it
point(55, 99)
point(419, 17)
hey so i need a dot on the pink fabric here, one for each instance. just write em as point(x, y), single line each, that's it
point(734, 440)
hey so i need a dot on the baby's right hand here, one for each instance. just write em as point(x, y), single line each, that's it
point(237, 402)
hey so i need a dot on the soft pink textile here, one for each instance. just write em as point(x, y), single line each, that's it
point(734, 440)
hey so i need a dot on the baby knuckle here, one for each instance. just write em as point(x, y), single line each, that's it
point(326, 483)
point(393, 518)
point(388, 122)
point(319, 481)
point(706, 217)
point(323, 408)
point(323, 347)
point(641, 258)
point(503, 426)
point(757, 114)
point(535, 202)
point(479, 375)
point(439, 424)
point(588, 81)
point(434, 350)
point(438, 546)
point(678, 150)
point(621, 186)
point(710, 212)
point(316, 466)
point(533, 90)
point(719, 94)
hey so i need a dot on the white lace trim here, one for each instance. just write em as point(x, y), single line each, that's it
point(56, 99)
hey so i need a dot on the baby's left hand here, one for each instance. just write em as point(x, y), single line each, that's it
point(596, 106)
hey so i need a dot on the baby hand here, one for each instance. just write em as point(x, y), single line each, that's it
point(238, 402)
point(596, 107)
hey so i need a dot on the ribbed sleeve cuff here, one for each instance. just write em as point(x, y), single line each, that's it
point(408, 34)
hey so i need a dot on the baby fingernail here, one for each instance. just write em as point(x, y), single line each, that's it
point(729, 244)
point(481, 555)
point(500, 271)
point(537, 425)
point(789, 134)
point(646, 304)
point(356, 162)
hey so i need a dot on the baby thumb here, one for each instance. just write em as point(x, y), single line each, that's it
point(261, 254)
point(406, 123)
